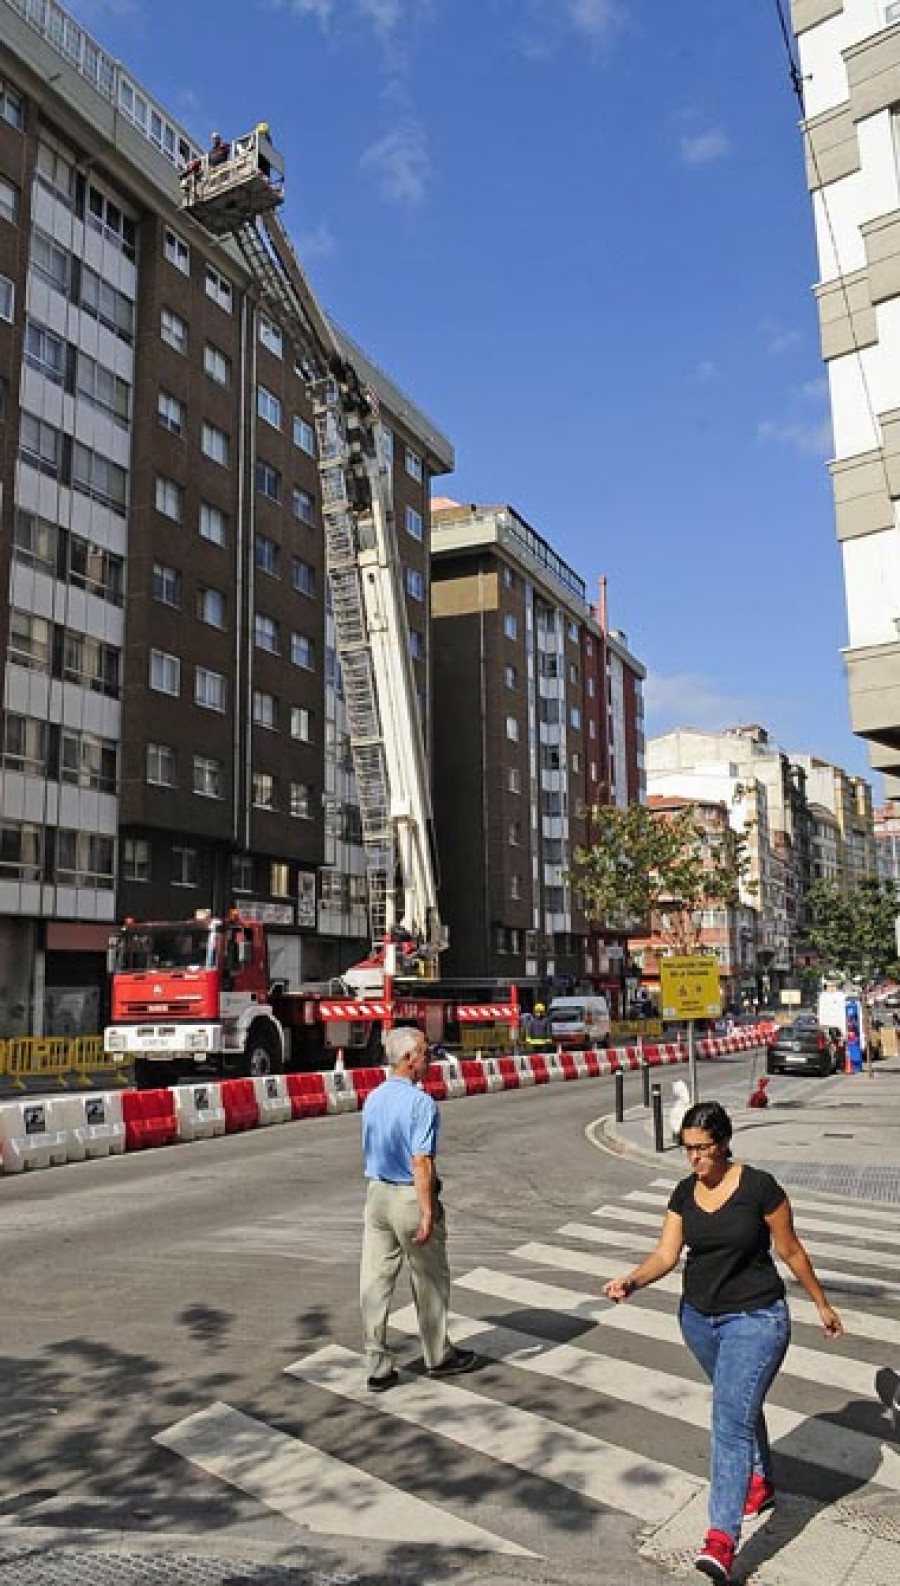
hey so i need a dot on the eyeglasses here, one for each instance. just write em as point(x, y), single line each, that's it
point(704, 1149)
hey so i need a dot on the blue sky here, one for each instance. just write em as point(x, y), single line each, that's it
point(577, 232)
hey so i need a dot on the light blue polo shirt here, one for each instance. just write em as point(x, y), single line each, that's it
point(399, 1121)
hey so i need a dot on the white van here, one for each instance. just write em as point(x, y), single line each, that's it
point(579, 1021)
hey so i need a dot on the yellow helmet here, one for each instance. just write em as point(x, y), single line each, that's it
point(539, 1007)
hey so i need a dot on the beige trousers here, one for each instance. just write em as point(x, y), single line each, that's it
point(391, 1218)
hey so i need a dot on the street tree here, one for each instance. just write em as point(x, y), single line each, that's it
point(654, 870)
point(854, 933)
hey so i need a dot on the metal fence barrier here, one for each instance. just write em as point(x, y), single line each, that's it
point(55, 1057)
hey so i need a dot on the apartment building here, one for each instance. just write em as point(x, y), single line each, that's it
point(887, 843)
point(172, 733)
point(849, 58)
point(849, 800)
point(538, 716)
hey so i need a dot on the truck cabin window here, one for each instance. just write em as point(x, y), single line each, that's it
point(165, 947)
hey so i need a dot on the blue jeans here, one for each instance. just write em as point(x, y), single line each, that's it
point(740, 1354)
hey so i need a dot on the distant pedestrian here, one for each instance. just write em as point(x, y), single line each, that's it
point(404, 1218)
point(733, 1314)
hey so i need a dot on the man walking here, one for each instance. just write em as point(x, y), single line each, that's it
point(404, 1219)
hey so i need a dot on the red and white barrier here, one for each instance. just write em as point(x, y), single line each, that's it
point(199, 1111)
point(272, 1098)
point(29, 1138)
point(93, 1124)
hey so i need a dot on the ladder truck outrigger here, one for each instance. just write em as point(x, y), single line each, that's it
point(214, 1001)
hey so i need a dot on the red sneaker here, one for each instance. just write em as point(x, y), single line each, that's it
point(716, 1557)
point(760, 1496)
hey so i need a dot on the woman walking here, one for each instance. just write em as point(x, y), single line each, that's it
point(734, 1316)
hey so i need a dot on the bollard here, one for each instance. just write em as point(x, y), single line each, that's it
point(645, 1083)
point(619, 1082)
point(658, 1142)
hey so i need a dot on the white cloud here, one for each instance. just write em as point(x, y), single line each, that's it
point(400, 164)
point(705, 371)
point(778, 339)
point(91, 11)
point(598, 19)
point(689, 699)
point(702, 148)
point(316, 244)
point(321, 10)
point(807, 424)
point(384, 15)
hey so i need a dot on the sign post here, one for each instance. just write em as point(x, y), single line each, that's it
point(689, 989)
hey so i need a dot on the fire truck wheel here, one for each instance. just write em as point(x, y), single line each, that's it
point(261, 1054)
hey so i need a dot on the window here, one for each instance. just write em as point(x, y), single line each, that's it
point(242, 878)
point(263, 790)
point(511, 626)
point(211, 607)
point(169, 498)
point(265, 633)
point(165, 672)
point(300, 800)
point(160, 765)
point(575, 764)
point(24, 744)
point(301, 723)
point(216, 364)
point(214, 444)
point(97, 477)
point(56, 173)
point(303, 506)
point(96, 384)
point(509, 676)
point(512, 729)
point(573, 672)
point(209, 689)
point(111, 307)
point(575, 716)
point(515, 888)
point(304, 436)
point(270, 335)
point(514, 779)
point(387, 444)
point(207, 777)
point(413, 465)
point(173, 330)
point(416, 644)
point(21, 851)
point(104, 216)
point(7, 298)
point(166, 584)
point(35, 541)
point(40, 444)
point(87, 761)
point(49, 260)
point(414, 525)
point(415, 584)
point(514, 833)
point(218, 289)
point(11, 107)
point(280, 879)
point(573, 632)
point(9, 201)
point(176, 250)
point(591, 688)
point(268, 407)
point(268, 480)
point(170, 412)
point(185, 869)
point(303, 576)
point(135, 859)
point(302, 651)
point(91, 663)
point(265, 709)
point(265, 554)
point(212, 524)
point(509, 578)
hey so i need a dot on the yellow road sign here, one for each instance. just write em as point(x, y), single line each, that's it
point(689, 987)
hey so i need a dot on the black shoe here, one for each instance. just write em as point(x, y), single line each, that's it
point(381, 1384)
point(887, 1386)
point(454, 1364)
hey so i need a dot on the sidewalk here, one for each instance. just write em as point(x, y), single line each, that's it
point(839, 1136)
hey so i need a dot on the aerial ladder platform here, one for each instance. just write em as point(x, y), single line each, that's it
point(236, 191)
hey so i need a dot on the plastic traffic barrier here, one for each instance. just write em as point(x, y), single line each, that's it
point(272, 1098)
point(509, 1073)
point(93, 1124)
point(240, 1104)
point(539, 1069)
point(199, 1111)
point(526, 1072)
point(473, 1075)
point(307, 1095)
point(29, 1138)
point(454, 1083)
point(365, 1080)
point(492, 1076)
point(339, 1091)
point(435, 1083)
point(566, 1061)
point(149, 1118)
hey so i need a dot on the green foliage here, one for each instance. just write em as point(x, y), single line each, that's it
point(854, 934)
point(644, 861)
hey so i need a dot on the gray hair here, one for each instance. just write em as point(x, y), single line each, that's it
point(399, 1043)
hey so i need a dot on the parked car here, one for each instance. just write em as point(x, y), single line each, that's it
point(579, 1021)
point(805, 1047)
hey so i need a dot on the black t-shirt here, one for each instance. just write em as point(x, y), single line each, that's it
point(729, 1265)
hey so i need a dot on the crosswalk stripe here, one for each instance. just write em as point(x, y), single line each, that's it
point(816, 1247)
point(813, 1441)
point(548, 1449)
point(803, 1219)
point(313, 1489)
point(864, 1324)
point(812, 1365)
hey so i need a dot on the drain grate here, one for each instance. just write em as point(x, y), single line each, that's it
point(43, 1565)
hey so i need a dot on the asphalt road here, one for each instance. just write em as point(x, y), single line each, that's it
point(138, 1291)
